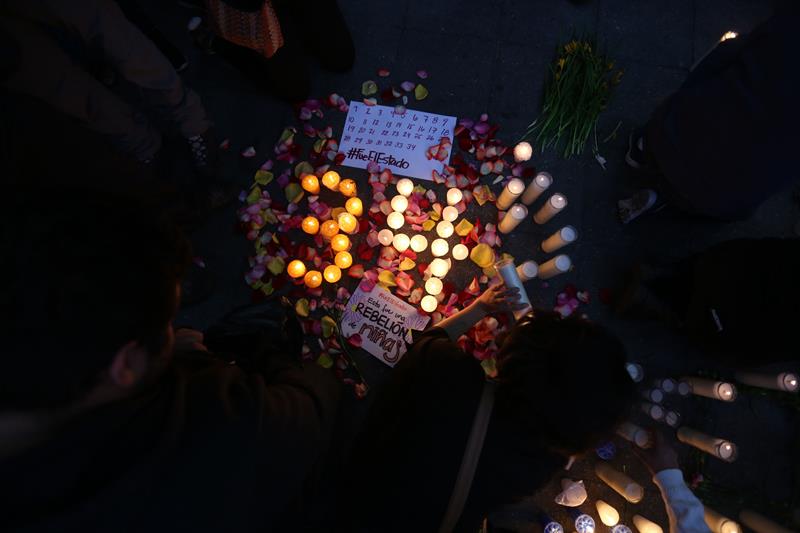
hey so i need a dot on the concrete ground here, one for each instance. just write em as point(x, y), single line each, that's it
point(492, 56)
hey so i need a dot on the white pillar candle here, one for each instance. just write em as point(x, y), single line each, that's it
point(672, 418)
point(401, 242)
point(523, 151)
point(385, 237)
point(527, 270)
point(653, 395)
point(559, 239)
point(399, 203)
point(622, 484)
point(513, 217)
point(449, 213)
point(635, 371)
point(429, 303)
point(717, 447)
point(646, 526)
point(720, 524)
point(656, 412)
point(405, 187)
point(395, 220)
point(444, 229)
point(439, 267)
point(557, 265)
point(667, 385)
point(460, 252)
point(419, 243)
point(454, 196)
point(540, 183)
point(439, 247)
point(785, 381)
point(760, 523)
point(511, 192)
point(635, 434)
point(716, 390)
point(554, 205)
point(433, 286)
point(608, 515)
point(507, 271)
point(684, 388)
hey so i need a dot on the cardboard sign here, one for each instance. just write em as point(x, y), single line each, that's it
point(395, 141)
point(382, 321)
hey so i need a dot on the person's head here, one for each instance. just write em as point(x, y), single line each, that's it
point(563, 380)
point(91, 287)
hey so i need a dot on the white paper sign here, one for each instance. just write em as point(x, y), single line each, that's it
point(395, 141)
point(382, 321)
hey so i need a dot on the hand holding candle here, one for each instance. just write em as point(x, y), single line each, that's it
point(507, 271)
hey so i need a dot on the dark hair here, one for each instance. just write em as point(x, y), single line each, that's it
point(562, 380)
point(86, 272)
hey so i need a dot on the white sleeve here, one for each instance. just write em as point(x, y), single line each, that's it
point(685, 511)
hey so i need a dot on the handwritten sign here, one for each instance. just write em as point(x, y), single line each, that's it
point(397, 141)
point(382, 321)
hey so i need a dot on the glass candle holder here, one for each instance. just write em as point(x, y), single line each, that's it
point(510, 193)
point(551, 208)
point(536, 187)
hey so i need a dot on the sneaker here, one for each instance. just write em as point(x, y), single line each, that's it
point(629, 209)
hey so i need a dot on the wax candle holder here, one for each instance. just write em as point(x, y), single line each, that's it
point(559, 239)
point(439, 247)
point(718, 523)
point(527, 270)
point(717, 447)
point(507, 271)
point(401, 242)
point(554, 205)
point(429, 303)
point(444, 229)
point(354, 206)
point(449, 213)
point(643, 525)
point(784, 381)
point(296, 269)
point(433, 286)
point(622, 484)
point(716, 390)
point(635, 434)
point(510, 193)
point(557, 265)
point(537, 186)
point(513, 217)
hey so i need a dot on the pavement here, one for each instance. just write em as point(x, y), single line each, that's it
point(492, 56)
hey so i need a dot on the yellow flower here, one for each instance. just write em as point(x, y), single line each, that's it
point(561, 63)
point(610, 65)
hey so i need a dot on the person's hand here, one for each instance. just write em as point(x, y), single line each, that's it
point(500, 299)
point(661, 456)
point(189, 340)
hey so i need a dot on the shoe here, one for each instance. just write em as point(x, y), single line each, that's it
point(629, 209)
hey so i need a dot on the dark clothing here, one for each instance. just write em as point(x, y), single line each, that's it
point(725, 141)
point(406, 459)
point(204, 448)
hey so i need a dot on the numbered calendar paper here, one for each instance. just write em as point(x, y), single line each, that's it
point(399, 142)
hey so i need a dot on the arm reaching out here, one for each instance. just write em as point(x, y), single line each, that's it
point(494, 299)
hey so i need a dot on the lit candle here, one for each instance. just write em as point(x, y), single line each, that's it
point(296, 269)
point(717, 447)
point(439, 247)
point(653, 395)
point(429, 303)
point(720, 524)
point(433, 286)
point(540, 183)
point(331, 180)
point(332, 273)
point(310, 225)
point(646, 526)
point(310, 183)
point(405, 186)
point(343, 259)
point(449, 213)
point(348, 223)
point(554, 205)
point(622, 484)
point(460, 252)
point(328, 229)
point(348, 188)
point(419, 243)
point(635, 434)
point(399, 203)
point(760, 523)
point(668, 385)
point(559, 239)
point(507, 271)
point(522, 151)
point(635, 371)
point(785, 381)
point(716, 390)
point(313, 279)
point(340, 242)
point(557, 265)
point(621, 528)
point(608, 515)
point(444, 229)
point(684, 388)
point(354, 206)
point(454, 196)
point(511, 192)
point(385, 237)
point(673, 419)
point(395, 220)
point(583, 522)
point(527, 270)
point(401, 242)
point(439, 267)
point(513, 217)
point(656, 412)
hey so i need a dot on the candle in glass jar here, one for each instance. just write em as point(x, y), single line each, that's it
point(656, 412)
point(508, 272)
point(343, 259)
point(523, 151)
point(395, 220)
point(559, 239)
point(328, 229)
point(444, 229)
point(454, 196)
point(313, 279)
point(513, 217)
point(646, 526)
point(439, 247)
point(622, 484)
point(310, 225)
point(340, 242)
point(296, 269)
point(331, 180)
point(348, 223)
point(785, 381)
point(399, 203)
point(635, 434)
point(716, 390)
point(540, 183)
point(760, 523)
point(608, 515)
point(429, 303)
point(557, 265)
point(449, 213)
point(385, 237)
point(419, 243)
point(354, 206)
point(332, 273)
point(405, 186)
point(720, 524)
point(348, 188)
point(460, 252)
point(433, 286)
point(511, 192)
point(401, 242)
point(310, 183)
point(717, 447)
point(439, 267)
point(551, 208)
point(527, 270)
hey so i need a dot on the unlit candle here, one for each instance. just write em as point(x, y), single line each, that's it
point(507, 271)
